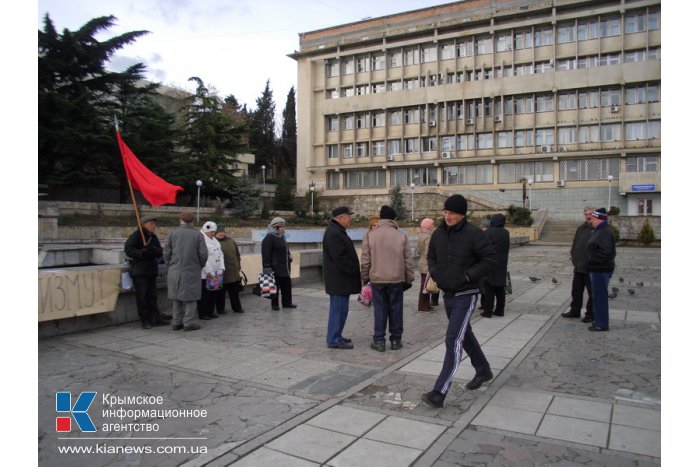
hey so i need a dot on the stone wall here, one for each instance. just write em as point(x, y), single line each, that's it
point(629, 226)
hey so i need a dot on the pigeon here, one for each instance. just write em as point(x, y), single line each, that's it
point(622, 279)
point(631, 291)
point(534, 279)
point(612, 295)
point(615, 289)
point(554, 280)
point(640, 284)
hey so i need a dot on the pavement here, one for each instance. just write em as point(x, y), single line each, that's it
point(274, 394)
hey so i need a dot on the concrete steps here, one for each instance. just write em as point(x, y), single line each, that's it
point(559, 231)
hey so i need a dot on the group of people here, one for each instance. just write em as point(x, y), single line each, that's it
point(593, 257)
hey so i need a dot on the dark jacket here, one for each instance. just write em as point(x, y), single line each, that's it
point(600, 250)
point(341, 267)
point(459, 256)
point(578, 247)
point(143, 260)
point(275, 255)
point(500, 240)
point(232, 260)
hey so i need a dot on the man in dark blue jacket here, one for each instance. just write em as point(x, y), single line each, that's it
point(459, 255)
point(600, 255)
point(341, 274)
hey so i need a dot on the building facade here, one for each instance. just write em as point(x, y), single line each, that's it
point(484, 96)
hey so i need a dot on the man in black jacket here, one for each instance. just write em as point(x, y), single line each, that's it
point(495, 285)
point(143, 267)
point(581, 280)
point(341, 275)
point(459, 255)
point(600, 254)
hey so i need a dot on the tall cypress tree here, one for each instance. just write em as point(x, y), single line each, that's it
point(288, 146)
point(262, 132)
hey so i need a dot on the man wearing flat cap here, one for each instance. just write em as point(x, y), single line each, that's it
point(143, 267)
point(341, 275)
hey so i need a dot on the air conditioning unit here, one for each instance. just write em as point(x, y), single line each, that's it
point(545, 149)
point(561, 183)
point(498, 118)
point(470, 121)
point(389, 158)
point(615, 109)
point(446, 155)
point(432, 123)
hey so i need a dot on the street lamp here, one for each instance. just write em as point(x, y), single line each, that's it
point(610, 179)
point(413, 206)
point(263, 169)
point(312, 188)
point(199, 186)
point(529, 196)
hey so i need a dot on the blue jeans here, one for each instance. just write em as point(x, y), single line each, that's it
point(599, 289)
point(337, 315)
point(388, 306)
point(459, 335)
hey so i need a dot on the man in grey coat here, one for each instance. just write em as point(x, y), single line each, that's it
point(185, 254)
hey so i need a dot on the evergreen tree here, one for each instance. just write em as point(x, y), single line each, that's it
point(244, 197)
point(262, 132)
point(284, 195)
point(288, 145)
point(75, 132)
point(396, 202)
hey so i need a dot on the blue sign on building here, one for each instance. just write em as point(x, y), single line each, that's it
point(647, 187)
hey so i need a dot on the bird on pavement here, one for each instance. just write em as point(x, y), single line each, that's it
point(612, 295)
point(640, 284)
point(622, 279)
point(534, 279)
point(631, 291)
point(554, 280)
point(615, 289)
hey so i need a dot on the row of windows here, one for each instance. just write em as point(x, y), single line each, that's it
point(582, 29)
point(506, 71)
point(581, 134)
point(498, 106)
point(482, 174)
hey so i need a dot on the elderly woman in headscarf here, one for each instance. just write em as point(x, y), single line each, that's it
point(425, 301)
point(277, 260)
point(214, 268)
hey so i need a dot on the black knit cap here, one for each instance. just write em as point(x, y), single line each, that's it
point(386, 212)
point(456, 204)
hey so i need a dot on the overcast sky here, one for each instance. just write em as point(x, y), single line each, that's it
point(234, 46)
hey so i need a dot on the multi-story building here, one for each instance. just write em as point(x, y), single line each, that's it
point(482, 96)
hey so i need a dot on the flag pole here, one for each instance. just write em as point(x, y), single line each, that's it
point(131, 190)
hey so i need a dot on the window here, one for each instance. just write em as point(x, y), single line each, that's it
point(605, 60)
point(462, 49)
point(536, 171)
point(378, 148)
point(362, 121)
point(447, 51)
point(642, 164)
point(566, 135)
point(641, 94)
point(347, 92)
point(523, 39)
point(566, 64)
point(462, 142)
point(544, 136)
point(610, 27)
point(589, 169)
point(332, 180)
point(505, 139)
point(654, 129)
point(362, 64)
point(644, 207)
point(332, 94)
point(484, 140)
point(544, 103)
point(508, 105)
point(588, 99)
point(653, 20)
point(332, 68)
point(395, 86)
point(543, 67)
point(523, 104)
point(394, 146)
point(378, 119)
point(567, 101)
point(378, 62)
point(543, 37)
point(448, 143)
point(429, 144)
point(428, 54)
point(588, 134)
point(609, 97)
point(410, 56)
point(523, 69)
point(634, 22)
point(332, 123)
point(565, 33)
point(332, 151)
point(411, 145)
point(504, 42)
point(643, 130)
point(587, 29)
point(395, 117)
point(411, 115)
point(361, 149)
point(481, 174)
point(364, 179)
point(484, 45)
point(348, 66)
point(417, 175)
point(361, 89)
point(610, 132)
point(378, 88)
point(347, 151)
point(348, 122)
point(524, 138)
point(395, 58)
point(410, 83)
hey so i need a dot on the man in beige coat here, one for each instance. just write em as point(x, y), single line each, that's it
point(387, 262)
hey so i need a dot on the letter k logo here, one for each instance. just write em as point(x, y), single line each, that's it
point(79, 411)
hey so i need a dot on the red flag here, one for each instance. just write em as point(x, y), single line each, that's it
point(156, 190)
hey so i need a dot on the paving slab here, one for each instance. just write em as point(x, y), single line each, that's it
point(367, 452)
point(576, 430)
point(312, 443)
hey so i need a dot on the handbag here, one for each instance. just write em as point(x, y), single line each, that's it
point(430, 286)
point(268, 286)
point(365, 297)
point(215, 281)
point(509, 284)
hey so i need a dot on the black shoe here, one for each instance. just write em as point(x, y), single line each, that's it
point(342, 345)
point(177, 327)
point(159, 323)
point(596, 329)
point(480, 307)
point(478, 380)
point(165, 317)
point(396, 345)
point(433, 398)
point(239, 311)
point(146, 325)
point(586, 319)
point(347, 340)
point(205, 317)
point(222, 312)
point(571, 314)
point(291, 305)
point(485, 315)
point(213, 315)
point(379, 346)
point(497, 314)
point(275, 308)
point(192, 327)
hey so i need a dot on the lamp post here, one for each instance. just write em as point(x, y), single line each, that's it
point(199, 186)
point(413, 206)
point(312, 188)
point(610, 179)
point(529, 196)
point(263, 169)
